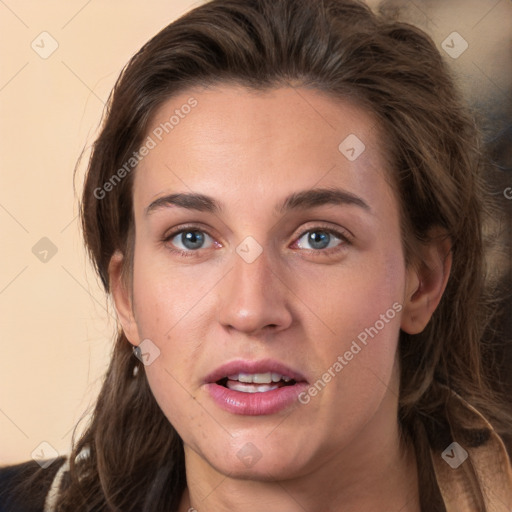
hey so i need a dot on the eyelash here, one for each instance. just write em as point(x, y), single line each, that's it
point(342, 236)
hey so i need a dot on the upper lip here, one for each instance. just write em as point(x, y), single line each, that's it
point(261, 366)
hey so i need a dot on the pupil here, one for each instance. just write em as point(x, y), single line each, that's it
point(192, 239)
point(319, 239)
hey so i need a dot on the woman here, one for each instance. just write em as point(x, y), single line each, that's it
point(285, 203)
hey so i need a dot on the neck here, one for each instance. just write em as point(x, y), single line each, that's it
point(394, 490)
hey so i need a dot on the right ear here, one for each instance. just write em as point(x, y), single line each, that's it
point(122, 298)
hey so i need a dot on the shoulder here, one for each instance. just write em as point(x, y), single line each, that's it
point(24, 486)
point(473, 470)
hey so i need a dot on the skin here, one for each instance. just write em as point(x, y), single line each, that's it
point(294, 303)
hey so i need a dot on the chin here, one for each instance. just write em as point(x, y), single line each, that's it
point(262, 471)
point(261, 460)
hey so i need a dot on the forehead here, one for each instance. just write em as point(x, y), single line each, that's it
point(237, 143)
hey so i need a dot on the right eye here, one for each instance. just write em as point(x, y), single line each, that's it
point(188, 240)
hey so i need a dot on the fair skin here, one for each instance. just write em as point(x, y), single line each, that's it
point(297, 303)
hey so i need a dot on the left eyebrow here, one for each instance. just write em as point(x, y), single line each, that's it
point(298, 200)
point(321, 196)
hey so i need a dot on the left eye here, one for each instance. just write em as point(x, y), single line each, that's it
point(190, 240)
point(320, 239)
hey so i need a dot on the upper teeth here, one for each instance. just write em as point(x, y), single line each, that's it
point(259, 378)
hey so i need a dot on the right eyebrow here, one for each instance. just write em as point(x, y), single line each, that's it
point(190, 201)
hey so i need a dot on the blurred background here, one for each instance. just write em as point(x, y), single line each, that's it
point(59, 62)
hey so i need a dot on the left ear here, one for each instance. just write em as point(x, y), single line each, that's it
point(426, 281)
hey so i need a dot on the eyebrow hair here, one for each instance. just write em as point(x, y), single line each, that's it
point(298, 200)
point(190, 201)
point(319, 197)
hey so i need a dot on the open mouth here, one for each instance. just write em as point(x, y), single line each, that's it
point(255, 388)
point(255, 382)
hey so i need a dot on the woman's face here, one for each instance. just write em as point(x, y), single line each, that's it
point(269, 282)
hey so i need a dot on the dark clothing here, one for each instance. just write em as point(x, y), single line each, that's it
point(24, 473)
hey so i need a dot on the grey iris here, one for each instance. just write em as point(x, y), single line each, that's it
point(319, 239)
point(192, 239)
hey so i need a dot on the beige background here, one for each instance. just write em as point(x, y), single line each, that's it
point(55, 331)
point(56, 327)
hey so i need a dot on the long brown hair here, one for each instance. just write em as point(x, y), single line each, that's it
point(136, 460)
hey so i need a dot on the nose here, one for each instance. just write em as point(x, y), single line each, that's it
point(253, 298)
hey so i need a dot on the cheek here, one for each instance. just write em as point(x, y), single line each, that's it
point(354, 299)
point(163, 316)
point(183, 410)
point(167, 307)
point(164, 296)
point(356, 340)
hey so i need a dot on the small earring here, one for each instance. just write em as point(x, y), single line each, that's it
point(137, 352)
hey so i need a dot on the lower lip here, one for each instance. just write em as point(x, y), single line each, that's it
point(255, 404)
